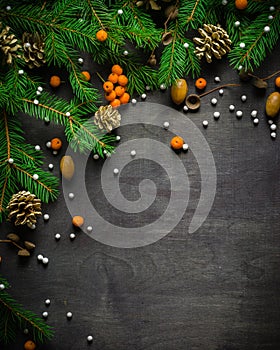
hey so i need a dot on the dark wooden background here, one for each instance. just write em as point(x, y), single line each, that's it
point(215, 289)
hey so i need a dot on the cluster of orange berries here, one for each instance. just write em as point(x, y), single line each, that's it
point(115, 87)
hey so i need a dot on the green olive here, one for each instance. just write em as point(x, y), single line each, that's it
point(272, 106)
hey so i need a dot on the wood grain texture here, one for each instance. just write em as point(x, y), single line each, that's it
point(216, 289)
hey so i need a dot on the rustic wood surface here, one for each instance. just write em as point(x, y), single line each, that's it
point(215, 289)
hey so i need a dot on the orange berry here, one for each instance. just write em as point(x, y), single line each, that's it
point(241, 4)
point(113, 77)
point(108, 86)
point(177, 142)
point(122, 80)
point(277, 81)
point(120, 90)
point(29, 345)
point(56, 143)
point(101, 35)
point(86, 75)
point(78, 221)
point(201, 83)
point(125, 98)
point(117, 69)
point(110, 96)
point(115, 103)
point(55, 81)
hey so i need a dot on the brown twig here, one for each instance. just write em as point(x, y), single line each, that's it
point(217, 88)
point(10, 241)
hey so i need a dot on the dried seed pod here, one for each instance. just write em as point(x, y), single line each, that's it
point(167, 38)
point(23, 252)
point(13, 237)
point(193, 102)
point(67, 167)
point(259, 83)
point(179, 91)
point(29, 245)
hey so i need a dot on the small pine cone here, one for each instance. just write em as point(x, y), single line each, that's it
point(9, 44)
point(33, 50)
point(107, 118)
point(214, 41)
point(23, 208)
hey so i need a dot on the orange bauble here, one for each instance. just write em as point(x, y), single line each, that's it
point(115, 103)
point(108, 86)
point(125, 98)
point(29, 345)
point(56, 143)
point(55, 81)
point(78, 221)
point(200, 83)
point(122, 80)
point(277, 82)
point(177, 142)
point(86, 75)
point(101, 35)
point(241, 4)
point(117, 69)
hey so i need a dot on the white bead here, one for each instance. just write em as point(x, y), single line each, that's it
point(185, 147)
point(237, 24)
point(46, 217)
point(162, 86)
point(273, 127)
point(37, 148)
point(217, 79)
point(133, 101)
point(205, 123)
point(166, 125)
point(38, 93)
point(21, 71)
point(80, 60)
point(216, 115)
point(143, 96)
point(108, 155)
point(67, 114)
point(40, 257)
point(214, 101)
point(8, 8)
point(120, 12)
point(240, 68)
point(186, 45)
point(148, 88)
point(47, 119)
point(273, 134)
point(95, 156)
point(45, 260)
point(221, 92)
point(270, 17)
point(40, 88)
point(47, 301)
point(55, 152)
point(224, 2)
point(89, 338)
point(36, 102)
point(185, 108)
point(254, 113)
point(10, 160)
point(272, 8)
point(116, 171)
point(27, 45)
point(35, 177)
point(69, 314)
point(45, 314)
point(51, 166)
point(25, 331)
point(243, 98)
point(72, 236)
point(239, 114)
point(57, 236)
point(2, 286)
point(133, 153)
point(256, 121)
point(89, 228)
point(48, 144)
point(266, 29)
point(125, 52)
point(270, 121)
point(231, 108)
point(242, 45)
point(118, 138)
point(71, 195)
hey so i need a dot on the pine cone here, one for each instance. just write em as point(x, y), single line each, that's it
point(33, 50)
point(215, 41)
point(9, 44)
point(107, 118)
point(23, 208)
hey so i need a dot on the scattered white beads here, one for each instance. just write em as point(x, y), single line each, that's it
point(45, 260)
point(38, 93)
point(133, 101)
point(47, 120)
point(80, 60)
point(25, 331)
point(272, 8)
point(243, 98)
point(273, 127)
point(71, 195)
point(21, 71)
point(148, 88)
point(35, 177)
point(186, 45)
point(254, 113)
point(27, 45)
point(224, 2)
point(55, 153)
point(89, 228)
point(273, 135)
point(40, 257)
point(256, 121)
point(10, 160)
point(72, 236)
point(214, 101)
point(240, 68)
point(48, 144)
point(270, 17)
point(125, 52)
point(205, 123)
point(166, 125)
point(143, 96)
point(32, 226)
point(133, 153)
point(95, 156)
point(237, 24)
point(266, 29)
point(270, 121)
point(45, 314)
point(36, 102)
point(242, 45)
point(8, 8)
point(120, 12)
point(116, 171)
point(37, 148)
point(162, 87)
point(231, 108)
point(185, 108)
point(185, 147)
point(239, 114)
point(46, 217)
point(69, 315)
point(67, 114)
point(2, 286)
point(47, 302)
point(216, 115)
point(217, 79)
point(40, 88)
point(57, 236)
point(89, 338)
point(118, 138)
point(221, 92)
point(51, 166)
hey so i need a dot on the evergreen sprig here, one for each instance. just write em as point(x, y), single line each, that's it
point(15, 317)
